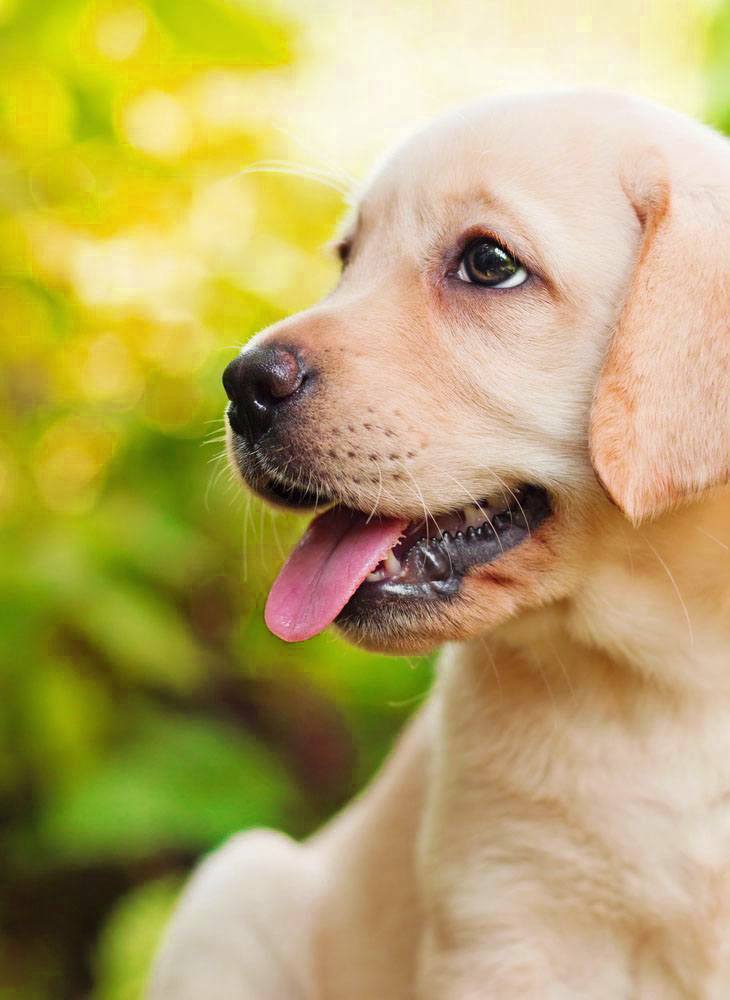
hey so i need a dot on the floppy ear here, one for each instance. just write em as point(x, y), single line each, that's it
point(660, 424)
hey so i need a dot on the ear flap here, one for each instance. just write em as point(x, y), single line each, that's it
point(660, 425)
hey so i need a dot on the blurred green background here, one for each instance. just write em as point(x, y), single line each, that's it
point(145, 712)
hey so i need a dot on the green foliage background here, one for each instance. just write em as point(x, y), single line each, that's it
point(145, 712)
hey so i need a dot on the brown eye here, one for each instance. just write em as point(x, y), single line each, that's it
point(486, 263)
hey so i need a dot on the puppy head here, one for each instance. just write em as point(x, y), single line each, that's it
point(502, 270)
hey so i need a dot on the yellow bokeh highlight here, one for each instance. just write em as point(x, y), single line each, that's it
point(171, 404)
point(226, 101)
point(27, 328)
point(140, 269)
point(221, 220)
point(105, 371)
point(68, 463)
point(178, 350)
point(157, 123)
point(37, 109)
point(120, 33)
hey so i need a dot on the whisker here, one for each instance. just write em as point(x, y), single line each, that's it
point(493, 664)
point(262, 547)
point(217, 430)
point(299, 166)
point(244, 537)
point(564, 670)
point(676, 590)
point(486, 516)
point(414, 699)
point(545, 681)
point(426, 512)
point(516, 499)
point(428, 515)
point(335, 170)
point(713, 539)
point(292, 169)
point(214, 479)
point(275, 533)
point(380, 493)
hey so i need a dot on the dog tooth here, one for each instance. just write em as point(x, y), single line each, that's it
point(392, 564)
point(473, 516)
point(375, 577)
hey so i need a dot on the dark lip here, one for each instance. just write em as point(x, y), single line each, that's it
point(292, 497)
point(270, 488)
point(465, 551)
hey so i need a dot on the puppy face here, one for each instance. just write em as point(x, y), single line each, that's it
point(444, 389)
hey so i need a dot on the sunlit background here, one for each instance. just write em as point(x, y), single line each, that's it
point(145, 713)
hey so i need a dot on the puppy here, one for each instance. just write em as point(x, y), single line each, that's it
point(516, 404)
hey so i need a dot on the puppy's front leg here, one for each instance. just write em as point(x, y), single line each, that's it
point(242, 928)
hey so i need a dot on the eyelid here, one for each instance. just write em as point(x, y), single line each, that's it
point(480, 231)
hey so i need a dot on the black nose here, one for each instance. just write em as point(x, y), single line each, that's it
point(259, 383)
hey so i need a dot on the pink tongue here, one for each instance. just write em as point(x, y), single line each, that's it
point(336, 553)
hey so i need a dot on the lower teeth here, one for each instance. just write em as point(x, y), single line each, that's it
point(461, 541)
point(392, 564)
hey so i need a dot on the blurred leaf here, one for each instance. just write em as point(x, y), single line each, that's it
point(129, 533)
point(225, 31)
point(38, 310)
point(66, 716)
point(718, 75)
point(178, 783)
point(140, 633)
point(130, 937)
point(93, 100)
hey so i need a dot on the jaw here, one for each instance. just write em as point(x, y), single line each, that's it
point(496, 574)
point(399, 617)
point(524, 578)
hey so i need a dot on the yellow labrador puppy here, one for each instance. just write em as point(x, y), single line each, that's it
point(516, 404)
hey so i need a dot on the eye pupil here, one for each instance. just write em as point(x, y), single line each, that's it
point(487, 263)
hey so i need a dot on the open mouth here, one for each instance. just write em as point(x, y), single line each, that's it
point(432, 556)
point(349, 563)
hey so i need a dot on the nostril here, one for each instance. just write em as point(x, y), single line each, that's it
point(259, 381)
point(230, 379)
point(276, 377)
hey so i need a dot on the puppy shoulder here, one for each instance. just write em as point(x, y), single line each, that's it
point(243, 925)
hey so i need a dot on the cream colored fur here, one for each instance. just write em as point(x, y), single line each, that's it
point(555, 822)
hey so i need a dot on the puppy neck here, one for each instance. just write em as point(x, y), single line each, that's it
point(652, 607)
